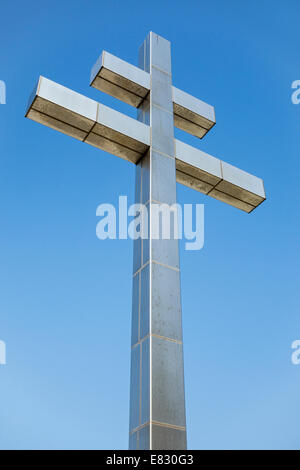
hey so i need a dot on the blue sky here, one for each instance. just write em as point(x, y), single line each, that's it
point(65, 302)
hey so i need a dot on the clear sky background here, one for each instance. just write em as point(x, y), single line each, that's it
point(65, 302)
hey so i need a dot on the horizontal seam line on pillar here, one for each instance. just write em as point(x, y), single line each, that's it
point(163, 71)
point(167, 425)
point(156, 262)
point(166, 265)
point(162, 153)
point(158, 423)
point(138, 428)
point(156, 202)
point(161, 108)
point(177, 341)
point(141, 340)
point(142, 267)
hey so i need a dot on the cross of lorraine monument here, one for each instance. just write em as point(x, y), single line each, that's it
point(157, 398)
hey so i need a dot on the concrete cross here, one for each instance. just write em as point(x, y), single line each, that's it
point(157, 399)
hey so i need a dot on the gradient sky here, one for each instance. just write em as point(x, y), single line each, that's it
point(65, 302)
